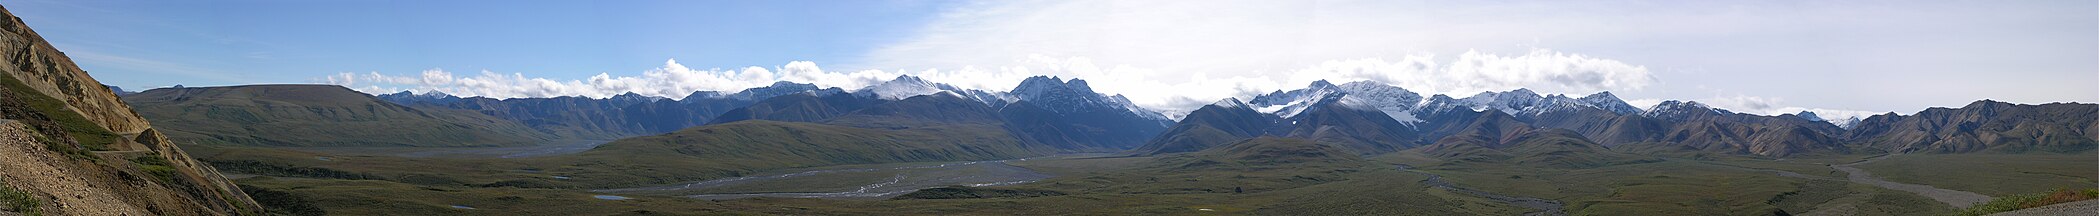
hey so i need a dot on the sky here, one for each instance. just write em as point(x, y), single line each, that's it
point(1837, 58)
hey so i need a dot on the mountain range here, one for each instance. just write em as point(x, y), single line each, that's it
point(1497, 119)
point(1046, 112)
point(1067, 116)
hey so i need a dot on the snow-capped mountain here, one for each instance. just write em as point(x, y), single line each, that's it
point(1073, 96)
point(410, 97)
point(1229, 103)
point(1678, 110)
point(1846, 123)
point(1609, 102)
point(777, 89)
point(1524, 103)
point(1391, 100)
point(907, 86)
point(1810, 116)
point(1841, 123)
point(631, 97)
point(1290, 103)
point(1552, 104)
point(903, 87)
point(1512, 102)
point(702, 95)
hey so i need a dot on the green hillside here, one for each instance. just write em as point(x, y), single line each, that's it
point(316, 116)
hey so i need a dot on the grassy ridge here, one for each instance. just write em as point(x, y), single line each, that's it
point(317, 115)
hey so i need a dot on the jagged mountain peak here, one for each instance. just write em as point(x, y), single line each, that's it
point(1558, 97)
point(1440, 97)
point(1062, 96)
point(1382, 95)
point(1678, 110)
point(909, 78)
point(1040, 84)
point(1078, 84)
point(1602, 95)
point(904, 86)
point(1985, 103)
point(778, 89)
point(637, 97)
point(1523, 91)
point(1512, 101)
point(1677, 104)
point(1846, 123)
point(1229, 102)
point(784, 83)
point(432, 94)
point(699, 95)
point(1290, 103)
point(1810, 116)
point(1609, 102)
point(411, 97)
point(1321, 84)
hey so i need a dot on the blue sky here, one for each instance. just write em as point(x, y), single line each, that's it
point(142, 44)
point(1837, 58)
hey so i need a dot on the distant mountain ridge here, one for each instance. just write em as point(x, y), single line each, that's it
point(1607, 121)
point(1065, 115)
point(1361, 116)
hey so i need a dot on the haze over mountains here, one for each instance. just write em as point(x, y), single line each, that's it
point(1067, 116)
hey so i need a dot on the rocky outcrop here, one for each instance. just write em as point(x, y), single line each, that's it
point(78, 150)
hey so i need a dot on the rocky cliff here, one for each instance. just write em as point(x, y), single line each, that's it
point(72, 148)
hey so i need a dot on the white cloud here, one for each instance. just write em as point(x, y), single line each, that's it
point(1180, 55)
point(1776, 106)
point(1540, 70)
point(1158, 52)
point(671, 80)
point(1173, 55)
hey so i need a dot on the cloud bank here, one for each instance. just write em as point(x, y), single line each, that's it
point(1468, 73)
point(1172, 55)
point(672, 80)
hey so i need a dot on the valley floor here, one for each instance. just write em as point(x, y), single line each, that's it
point(1182, 184)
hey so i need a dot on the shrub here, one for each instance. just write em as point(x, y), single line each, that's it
point(2024, 201)
point(18, 201)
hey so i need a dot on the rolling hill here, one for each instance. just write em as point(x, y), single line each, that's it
point(318, 115)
